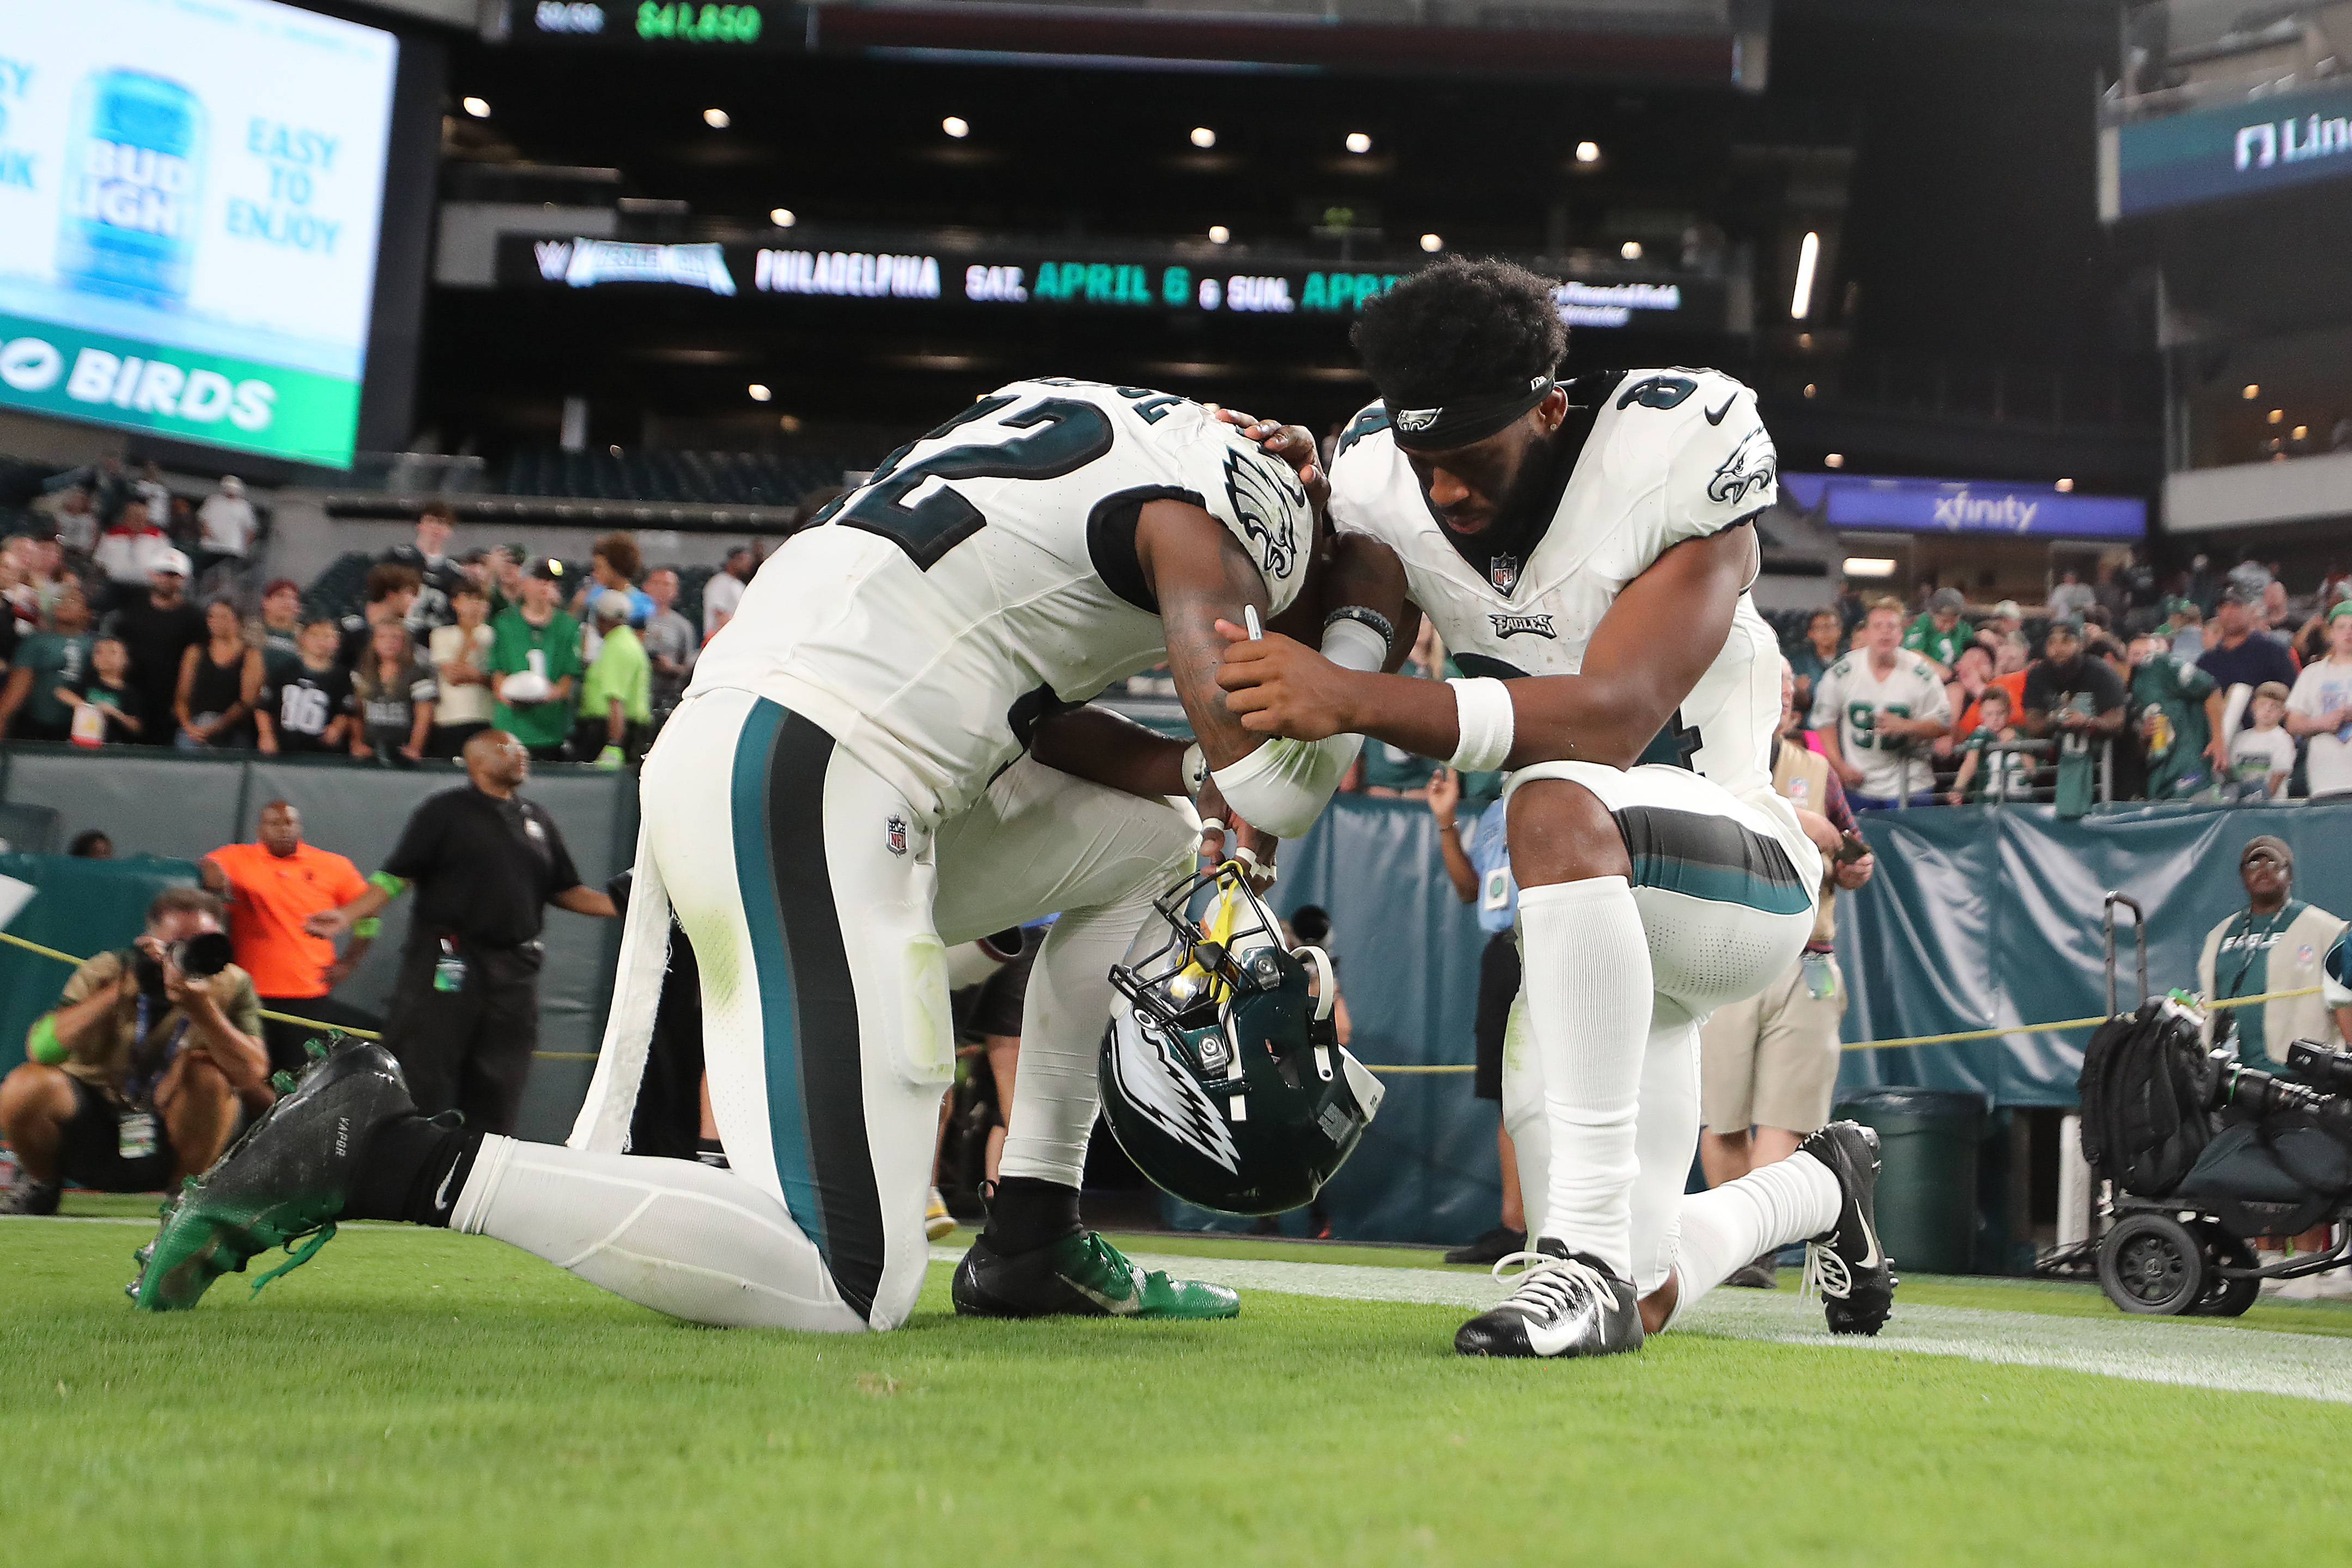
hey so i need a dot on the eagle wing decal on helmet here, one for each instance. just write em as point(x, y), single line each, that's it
point(1155, 1083)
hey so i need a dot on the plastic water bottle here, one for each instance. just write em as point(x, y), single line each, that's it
point(449, 969)
point(134, 175)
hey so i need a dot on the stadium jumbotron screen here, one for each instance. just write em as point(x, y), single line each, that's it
point(189, 202)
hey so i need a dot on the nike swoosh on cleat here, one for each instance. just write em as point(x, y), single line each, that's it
point(1873, 1259)
point(1715, 416)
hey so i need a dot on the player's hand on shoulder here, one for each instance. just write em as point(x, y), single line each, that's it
point(1293, 443)
point(1281, 687)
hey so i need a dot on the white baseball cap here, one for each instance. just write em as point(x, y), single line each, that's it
point(170, 560)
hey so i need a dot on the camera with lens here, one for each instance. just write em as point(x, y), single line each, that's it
point(199, 957)
point(2328, 1071)
point(2255, 1094)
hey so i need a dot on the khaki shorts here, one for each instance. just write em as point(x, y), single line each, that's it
point(1772, 1060)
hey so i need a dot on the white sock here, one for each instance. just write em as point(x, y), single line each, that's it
point(1588, 990)
point(1057, 1089)
point(677, 1236)
point(1728, 1227)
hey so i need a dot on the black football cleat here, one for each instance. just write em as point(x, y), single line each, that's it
point(1846, 1267)
point(285, 1180)
point(1563, 1304)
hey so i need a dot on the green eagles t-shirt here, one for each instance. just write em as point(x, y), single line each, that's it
point(120, 699)
point(2174, 691)
point(2000, 776)
point(553, 650)
point(1944, 647)
point(56, 660)
point(622, 671)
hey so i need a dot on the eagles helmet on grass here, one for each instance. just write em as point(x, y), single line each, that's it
point(1222, 1077)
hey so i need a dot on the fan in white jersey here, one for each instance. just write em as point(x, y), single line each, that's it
point(1584, 551)
point(843, 794)
point(1877, 710)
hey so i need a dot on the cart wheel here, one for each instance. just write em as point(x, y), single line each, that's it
point(2151, 1263)
point(2227, 1298)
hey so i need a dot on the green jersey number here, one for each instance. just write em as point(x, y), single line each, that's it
point(1862, 720)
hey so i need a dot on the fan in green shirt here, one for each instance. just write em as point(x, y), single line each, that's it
point(2178, 709)
point(1940, 634)
point(536, 639)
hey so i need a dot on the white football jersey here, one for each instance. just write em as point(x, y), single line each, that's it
point(987, 573)
point(1672, 455)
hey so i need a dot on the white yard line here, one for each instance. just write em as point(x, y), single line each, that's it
point(2189, 1353)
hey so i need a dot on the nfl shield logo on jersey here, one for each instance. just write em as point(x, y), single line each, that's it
point(893, 835)
point(1503, 571)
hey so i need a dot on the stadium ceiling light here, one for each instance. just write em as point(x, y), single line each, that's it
point(1588, 151)
point(1630, 250)
point(1359, 142)
point(783, 217)
point(759, 394)
point(1812, 390)
point(1219, 234)
point(1868, 567)
point(479, 108)
point(1432, 243)
point(954, 126)
point(1203, 138)
point(1836, 459)
point(717, 119)
point(2065, 487)
point(2278, 415)
point(1809, 258)
point(2301, 431)
point(2252, 391)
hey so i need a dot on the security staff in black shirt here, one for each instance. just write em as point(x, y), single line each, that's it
point(486, 862)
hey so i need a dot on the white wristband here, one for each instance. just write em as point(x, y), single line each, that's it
point(1351, 645)
point(1483, 709)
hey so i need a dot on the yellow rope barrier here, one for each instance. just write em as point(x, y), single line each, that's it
point(280, 1017)
point(2051, 1029)
point(1399, 1068)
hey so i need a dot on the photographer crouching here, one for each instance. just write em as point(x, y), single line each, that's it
point(134, 1079)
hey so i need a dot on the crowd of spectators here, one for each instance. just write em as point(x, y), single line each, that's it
point(104, 645)
point(2224, 687)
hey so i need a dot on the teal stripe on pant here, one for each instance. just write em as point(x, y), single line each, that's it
point(787, 1106)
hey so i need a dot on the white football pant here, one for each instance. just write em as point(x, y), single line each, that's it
point(821, 912)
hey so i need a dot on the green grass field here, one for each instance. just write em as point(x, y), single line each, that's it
point(422, 1398)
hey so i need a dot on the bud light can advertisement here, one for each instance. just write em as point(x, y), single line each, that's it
point(131, 171)
point(190, 202)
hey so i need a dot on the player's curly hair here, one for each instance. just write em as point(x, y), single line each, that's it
point(1459, 327)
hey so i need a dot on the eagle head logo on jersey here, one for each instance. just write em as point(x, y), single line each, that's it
point(1267, 500)
point(1750, 469)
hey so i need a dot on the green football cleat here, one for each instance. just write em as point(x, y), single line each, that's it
point(1080, 1276)
point(285, 1180)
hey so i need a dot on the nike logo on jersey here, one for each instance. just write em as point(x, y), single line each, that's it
point(1715, 416)
point(1512, 626)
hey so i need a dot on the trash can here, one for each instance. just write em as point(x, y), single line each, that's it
point(1927, 1173)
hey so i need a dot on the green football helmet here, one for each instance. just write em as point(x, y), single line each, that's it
point(1222, 1077)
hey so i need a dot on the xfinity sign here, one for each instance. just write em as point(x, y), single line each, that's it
point(1963, 506)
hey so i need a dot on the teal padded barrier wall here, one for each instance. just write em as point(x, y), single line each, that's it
point(156, 802)
point(81, 907)
point(1983, 917)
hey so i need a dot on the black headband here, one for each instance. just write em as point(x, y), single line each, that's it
point(1462, 420)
